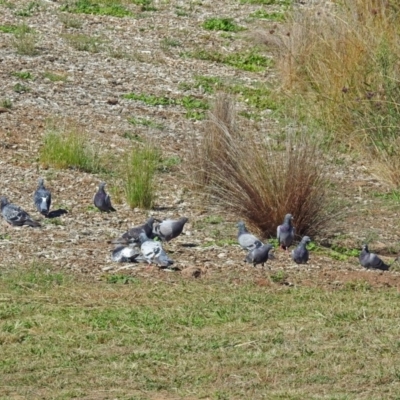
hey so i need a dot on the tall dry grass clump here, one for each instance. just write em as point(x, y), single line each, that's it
point(339, 70)
point(256, 180)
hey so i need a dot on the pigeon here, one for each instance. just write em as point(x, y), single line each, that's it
point(169, 228)
point(42, 198)
point(285, 232)
point(259, 255)
point(125, 254)
point(15, 215)
point(153, 252)
point(132, 235)
point(246, 240)
point(300, 253)
point(102, 200)
point(370, 260)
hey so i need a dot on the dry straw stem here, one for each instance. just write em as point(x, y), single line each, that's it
point(259, 181)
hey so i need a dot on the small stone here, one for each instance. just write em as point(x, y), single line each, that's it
point(112, 101)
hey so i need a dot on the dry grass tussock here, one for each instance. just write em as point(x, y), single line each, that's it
point(259, 180)
point(339, 71)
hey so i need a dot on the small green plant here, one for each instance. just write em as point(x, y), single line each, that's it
point(69, 21)
point(138, 173)
point(6, 103)
point(272, 16)
point(208, 84)
point(169, 163)
point(53, 221)
point(19, 88)
point(221, 24)
point(54, 77)
point(102, 7)
point(29, 10)
point(16, 29)
point(132, 136)
point(124, 279)
point(69, 149)
point(169, 42)
point(145, 122)
point(145, 5)
point(250, 60)
point(25, 42)
point(150, 99)
point(23, 75)
point(278, 276)
point(82, 42)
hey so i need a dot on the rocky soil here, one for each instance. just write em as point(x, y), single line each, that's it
point(144, 54)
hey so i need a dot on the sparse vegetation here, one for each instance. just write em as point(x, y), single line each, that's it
point(272, 16)
point(260, 180)
point(251, 60)
point(145, 122)
point(25, 42)
point(23, 75)
point(194, 107)
point(69, 148)
point(82, 42)
point(15, 29)
point(53, 77)
point(221, 24)
point(138, 172)
point(70, 21)
point(102, 7)
point(6, 103)
point(20, 88)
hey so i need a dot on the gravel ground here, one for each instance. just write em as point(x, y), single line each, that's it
point(143, 54)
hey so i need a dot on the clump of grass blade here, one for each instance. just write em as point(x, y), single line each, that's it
point(340, 71)
point(69, 149)
point(257, 180)
point(139, 169)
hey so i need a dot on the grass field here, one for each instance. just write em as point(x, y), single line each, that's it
point(63, 337)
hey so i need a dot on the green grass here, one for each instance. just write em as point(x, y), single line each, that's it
point(194, 107)
point(62, 149)
point(6, 103)
point(30, 9)
point(251, 60)
point(82, 42)
point(137, 172)
point(221, 24)
point(54, 77)
point(23, 75)
point(20, 88)
point(103, 7)
point(25, 41)
point(272, 16)
point(145, 122)
point(75, 339)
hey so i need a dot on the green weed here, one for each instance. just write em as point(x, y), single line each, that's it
point(20, 88)
point(250, 60)
point(145, 122)
point(15, 29)
point(51, 76)
point(271, 16)
point(278, 276)
point(23, 75)
point(82, 42)
point(25, 42)
point(104, 7)
point(69, 21)
point(221, 24)
point(6, 103)
point(29, 10)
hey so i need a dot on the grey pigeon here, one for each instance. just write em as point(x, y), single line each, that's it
point(132, 235)
point(246, 240)
point(259, 255)
point(153, 251)
point(285, 232)
point(300, 253)
point(102, 200)
point(42, 198)
point(371, 260)
point(125, 254)
point(15, 215)
point(169, 228)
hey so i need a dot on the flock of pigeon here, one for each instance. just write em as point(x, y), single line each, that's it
point(143, 243)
